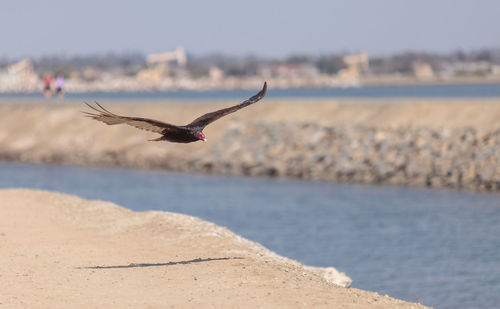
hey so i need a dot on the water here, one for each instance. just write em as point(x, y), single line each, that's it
point(415, 91)
point(440, 247)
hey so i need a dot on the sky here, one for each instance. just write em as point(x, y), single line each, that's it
point(267, 28)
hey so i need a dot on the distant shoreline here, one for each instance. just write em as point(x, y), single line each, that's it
point(417, 91)
point(131, 85)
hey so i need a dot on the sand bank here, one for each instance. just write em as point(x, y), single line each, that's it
point(60, 251)
point(421, 142)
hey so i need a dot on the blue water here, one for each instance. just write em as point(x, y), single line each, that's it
point(440, 247)
point(420, 91)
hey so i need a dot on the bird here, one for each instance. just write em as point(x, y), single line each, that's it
point(189, 133)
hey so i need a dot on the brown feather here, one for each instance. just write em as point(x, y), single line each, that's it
point(208, 118)
point(109, 118)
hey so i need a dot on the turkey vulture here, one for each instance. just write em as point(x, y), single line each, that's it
point(178, 134)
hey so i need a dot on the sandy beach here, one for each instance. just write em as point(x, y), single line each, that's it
point(61, 251)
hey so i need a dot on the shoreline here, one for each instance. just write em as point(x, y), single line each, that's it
point(422, 143)
point(130, 84)
point(114, 256)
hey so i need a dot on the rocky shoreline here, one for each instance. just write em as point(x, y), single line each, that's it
point(411, 155)
point(458, 158)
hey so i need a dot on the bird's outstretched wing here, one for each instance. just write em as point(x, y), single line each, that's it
point(141, 123)
point(206, 119)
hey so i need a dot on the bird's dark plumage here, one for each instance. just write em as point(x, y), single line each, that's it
point(191, 132)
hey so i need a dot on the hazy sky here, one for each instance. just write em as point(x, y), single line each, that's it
point(260, 27)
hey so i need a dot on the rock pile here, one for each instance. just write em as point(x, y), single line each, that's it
point(459, 158)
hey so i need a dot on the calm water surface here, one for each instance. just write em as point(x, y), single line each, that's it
point(440, 247)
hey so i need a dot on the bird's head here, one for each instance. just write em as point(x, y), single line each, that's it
point(201, 136)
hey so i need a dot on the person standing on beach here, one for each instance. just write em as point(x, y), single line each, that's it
point(59, 86)
point(46, 88)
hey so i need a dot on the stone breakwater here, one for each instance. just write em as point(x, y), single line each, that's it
point(458, 158)
point(456, 145)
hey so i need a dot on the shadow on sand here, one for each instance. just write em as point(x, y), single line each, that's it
point(132, 265)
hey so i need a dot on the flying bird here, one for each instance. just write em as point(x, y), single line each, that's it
point(189, 133)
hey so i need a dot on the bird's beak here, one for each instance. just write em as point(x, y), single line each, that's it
point(204, 139)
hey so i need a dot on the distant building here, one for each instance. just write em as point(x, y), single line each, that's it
point(422, 70)
point(159, 65)
point(495, 70)
point(215, 73)
point(469, 68)
point(357, 66)
point(23, 67)
point(20, 77)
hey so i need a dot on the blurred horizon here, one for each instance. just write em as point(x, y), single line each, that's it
point(264, 29)
point(221, 44)
point(228, 56)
